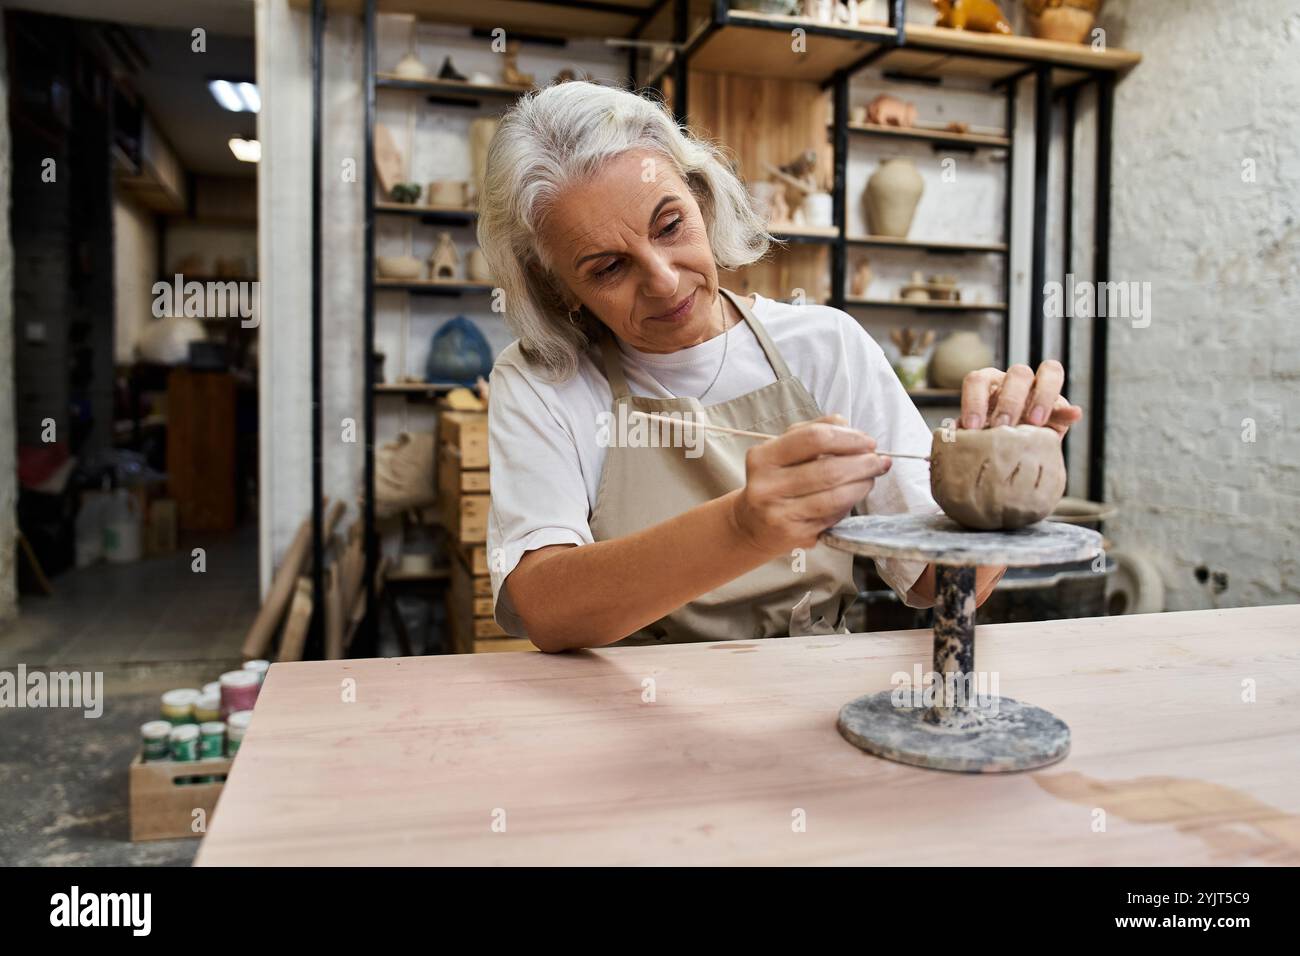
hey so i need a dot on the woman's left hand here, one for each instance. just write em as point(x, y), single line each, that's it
point(990, 396)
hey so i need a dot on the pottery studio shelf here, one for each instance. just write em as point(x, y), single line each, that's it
point(759, 44)
point(938, 246)
point(931, 306)
point(748, 42)
point(414, 390)
point(433, 286)
point(809, 234)
point(931, 53)
point(937, 137)
point(935, 396)
point(436, 215)
point(456, 91)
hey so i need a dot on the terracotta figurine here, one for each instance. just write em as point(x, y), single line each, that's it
point(886, 110)
point(445, 262)
point(982, 16)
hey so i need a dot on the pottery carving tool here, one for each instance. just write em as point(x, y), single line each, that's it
point(763, 436)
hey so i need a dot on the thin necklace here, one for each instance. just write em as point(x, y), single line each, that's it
point(725, 341)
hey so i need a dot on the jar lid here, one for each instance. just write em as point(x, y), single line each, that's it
point(258, 666)
point(240, 720)
point(185, 732)
point(238, 679)
point(212, 687)
point(208, 701)
point(181, 697)
point(156, 728)
point(209, 727)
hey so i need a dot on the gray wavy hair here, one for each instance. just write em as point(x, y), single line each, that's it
point(564, 134)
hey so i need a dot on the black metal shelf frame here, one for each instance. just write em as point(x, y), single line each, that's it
point(1102, 79)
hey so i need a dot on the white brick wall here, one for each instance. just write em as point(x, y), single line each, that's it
point(1218, 85)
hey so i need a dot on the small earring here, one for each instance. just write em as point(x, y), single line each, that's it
point(572, 320)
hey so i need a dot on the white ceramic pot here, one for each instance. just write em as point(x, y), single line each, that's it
point(911, 371)
point(818, 211)
point(411, 68)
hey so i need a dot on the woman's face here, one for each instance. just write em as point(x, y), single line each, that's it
point(630, 245)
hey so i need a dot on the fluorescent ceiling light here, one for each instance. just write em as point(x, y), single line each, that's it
point(246, 150)
point(252, 99)
point(238, 96)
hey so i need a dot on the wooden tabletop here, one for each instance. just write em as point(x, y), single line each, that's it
point(564, 759)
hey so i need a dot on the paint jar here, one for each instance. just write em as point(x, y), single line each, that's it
point(212, 687)
point(238, 691)
point(185, 742)
point(212, 739)
point(207, 707)
point(156, 735)
point(236, 726)
point(259, 668)
point(178, 705)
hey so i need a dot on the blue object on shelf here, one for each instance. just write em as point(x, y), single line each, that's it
point(458, 354)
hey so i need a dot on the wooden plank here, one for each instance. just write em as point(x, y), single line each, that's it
point(929, 135)
point(294, 637)
point(334, 622)
point(498, 645)
point(263, 628)
point(1186, 772)
point(942, 245)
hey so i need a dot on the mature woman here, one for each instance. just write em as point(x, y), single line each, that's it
point(605, 225)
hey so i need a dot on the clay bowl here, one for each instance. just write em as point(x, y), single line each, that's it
point(398, 267)
point(999, 478)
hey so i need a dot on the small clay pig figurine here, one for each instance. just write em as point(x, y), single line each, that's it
point(997, 478)
point(982, 16)
point(886, 110)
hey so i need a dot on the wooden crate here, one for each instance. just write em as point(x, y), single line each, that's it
point(475, 557)
point(162, 808)
point(467, 432)
point(466, 517)
point(470, 608)
point(454, 478)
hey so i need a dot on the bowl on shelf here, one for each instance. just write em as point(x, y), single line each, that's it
point(1067, 21)
point(398, 267)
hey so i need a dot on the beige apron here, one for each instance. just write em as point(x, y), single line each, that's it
point(798, 593)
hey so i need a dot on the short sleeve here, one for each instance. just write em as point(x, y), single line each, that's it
point(541, 498)
point(883, 409)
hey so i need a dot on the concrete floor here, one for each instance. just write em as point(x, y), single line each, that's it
point(148, 627)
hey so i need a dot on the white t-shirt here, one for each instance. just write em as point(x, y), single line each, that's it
point(547, 460)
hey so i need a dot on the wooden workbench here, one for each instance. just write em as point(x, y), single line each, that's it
point(739, 746)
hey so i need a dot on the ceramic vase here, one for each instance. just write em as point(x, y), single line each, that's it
point(955, 356)
point(891, 197)
point(911, 371)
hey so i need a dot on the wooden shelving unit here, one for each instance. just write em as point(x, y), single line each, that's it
point(928, 135)
point(433, 286)
point(936, 246)
point(738, 76)
point(923, 397)
point(437, 215)
point(931, 306)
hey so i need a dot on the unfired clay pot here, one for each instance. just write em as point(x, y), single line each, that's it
point(892, 194)
point(1069, 21)
point(997, 478)
point(959, 353)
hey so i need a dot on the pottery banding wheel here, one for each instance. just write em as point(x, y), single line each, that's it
point(971, 733)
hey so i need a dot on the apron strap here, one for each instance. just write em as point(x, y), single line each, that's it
point(764, 340)
point(613, 355)
point(613, 363)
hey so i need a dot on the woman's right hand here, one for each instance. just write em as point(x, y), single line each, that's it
point(801, 483)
